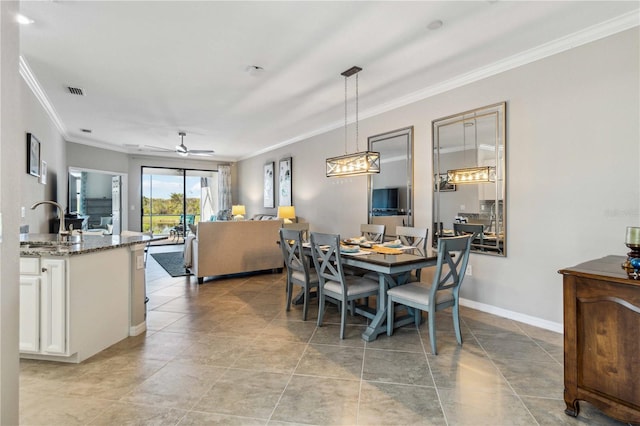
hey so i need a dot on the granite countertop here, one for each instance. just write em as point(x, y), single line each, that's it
point(47, 245)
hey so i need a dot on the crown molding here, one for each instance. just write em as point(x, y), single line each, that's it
point(34, 85)
point(579, 38)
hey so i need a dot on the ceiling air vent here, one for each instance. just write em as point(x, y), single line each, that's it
point(75, 91)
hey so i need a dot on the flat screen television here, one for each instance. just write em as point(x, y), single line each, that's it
point(385, 199)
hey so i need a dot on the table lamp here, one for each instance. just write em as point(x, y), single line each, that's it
point(238, 212)
point(287, 213)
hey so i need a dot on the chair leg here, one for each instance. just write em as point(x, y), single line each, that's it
point(320, 309)
point(432, 332)
point(456, 323)
point(343, 317)
point(390, 316)
point(306, 303)
point(417, 316)
point(289, 291)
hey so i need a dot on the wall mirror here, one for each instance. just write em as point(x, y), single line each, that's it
point(469, 181)
point(390, 200)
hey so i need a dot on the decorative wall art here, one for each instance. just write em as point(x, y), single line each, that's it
point(442, 181)
point(269, 193)
point(43, 172)
point(284, 182)
point(33, 155)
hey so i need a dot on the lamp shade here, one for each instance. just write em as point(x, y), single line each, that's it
point(286, 212)
point(238, 210)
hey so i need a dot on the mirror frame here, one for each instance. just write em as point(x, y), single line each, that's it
point(408, 133)
point(500, 199)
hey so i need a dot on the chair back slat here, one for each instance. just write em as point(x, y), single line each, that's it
point(373, 232)
point(328, 262)
point(452, 277)
point(299, 226)
point(291, 245)
point(415, 237)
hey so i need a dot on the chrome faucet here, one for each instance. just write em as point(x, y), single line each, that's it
point(61, 229)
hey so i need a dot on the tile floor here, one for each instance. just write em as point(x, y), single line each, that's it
point(227, 352)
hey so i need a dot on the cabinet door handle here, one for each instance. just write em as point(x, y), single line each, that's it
point(44, 269)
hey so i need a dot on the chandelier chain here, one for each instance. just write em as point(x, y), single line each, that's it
point(357, 130)
point(345, 114)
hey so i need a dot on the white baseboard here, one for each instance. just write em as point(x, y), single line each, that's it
point(135, 330)
point(516, 316)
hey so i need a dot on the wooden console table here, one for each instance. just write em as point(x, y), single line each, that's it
point(602, 339)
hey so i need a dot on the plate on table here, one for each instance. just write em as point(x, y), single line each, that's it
point(355, 240)
point(393, 245)
point(349, 249)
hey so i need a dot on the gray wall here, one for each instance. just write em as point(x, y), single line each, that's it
point(53, 151)
point(572, 161)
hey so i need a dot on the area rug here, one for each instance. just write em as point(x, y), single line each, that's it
point(172, 262)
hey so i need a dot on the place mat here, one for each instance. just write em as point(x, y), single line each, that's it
point(386, 250)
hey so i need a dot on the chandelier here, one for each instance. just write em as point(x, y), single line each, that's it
point(482, 174)
point(360, 162)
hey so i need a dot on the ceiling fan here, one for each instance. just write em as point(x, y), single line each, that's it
point(182, 149)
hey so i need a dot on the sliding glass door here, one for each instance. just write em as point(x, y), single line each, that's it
point(173, 199)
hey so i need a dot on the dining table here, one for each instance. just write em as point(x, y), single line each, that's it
point(393, 266)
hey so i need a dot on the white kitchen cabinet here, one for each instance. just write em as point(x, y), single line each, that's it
point(43, 306)
point(29, 313)
point(53, 307)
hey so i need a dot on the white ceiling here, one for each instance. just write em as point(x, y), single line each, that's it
point(151, 69)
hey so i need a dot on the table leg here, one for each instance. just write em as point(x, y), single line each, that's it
point(377, 325)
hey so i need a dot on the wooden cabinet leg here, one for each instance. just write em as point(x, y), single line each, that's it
point(573, 408)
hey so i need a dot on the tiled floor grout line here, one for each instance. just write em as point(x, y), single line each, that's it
point(293, 371)
point(364, 359)
point(490, 358)
point(433, 379)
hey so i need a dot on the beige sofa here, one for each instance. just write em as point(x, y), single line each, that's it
point(222, 248)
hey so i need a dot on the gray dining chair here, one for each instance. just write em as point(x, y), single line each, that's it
point(334, 285)
point(474, 229)
point(373, 232)
point(414, 237)
point(441, 293)
point(299, 226)
point(299, 272)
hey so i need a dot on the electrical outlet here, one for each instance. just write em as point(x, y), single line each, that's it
point(469, 270)
point(23, 212)
point(140, 262)
point(463, 207)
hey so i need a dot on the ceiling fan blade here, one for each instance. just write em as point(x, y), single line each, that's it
point(156, 149)
point(201, 151)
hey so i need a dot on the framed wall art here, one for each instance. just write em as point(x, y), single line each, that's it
point(269, 193)
point(441, 180)
point(284, 182)
point(43, 172)
point(33, 155)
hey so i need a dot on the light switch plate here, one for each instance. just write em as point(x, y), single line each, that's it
point(139, 262)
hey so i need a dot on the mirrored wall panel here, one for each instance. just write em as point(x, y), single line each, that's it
point(469, 181)
point(390, 200)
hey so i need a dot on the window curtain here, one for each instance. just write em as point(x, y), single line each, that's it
point(224, 187)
